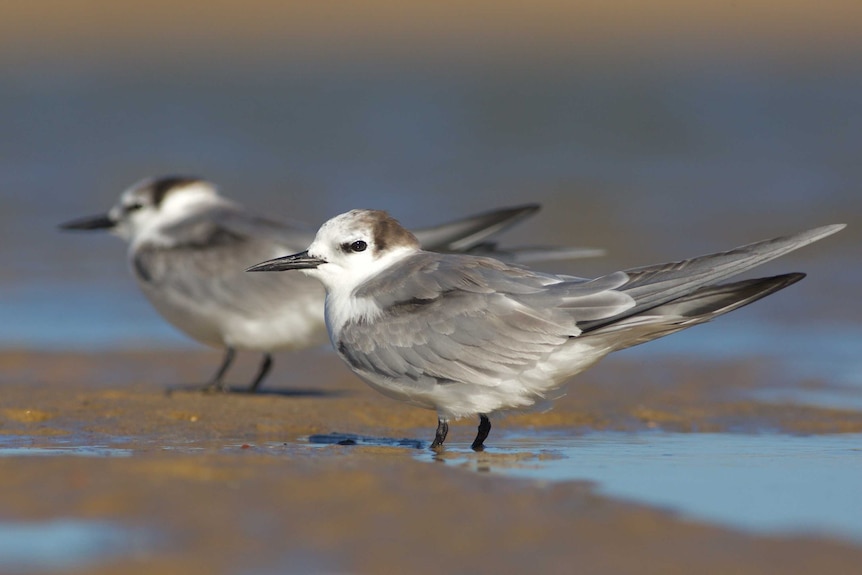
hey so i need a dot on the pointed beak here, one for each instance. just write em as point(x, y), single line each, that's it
point(300, 261)
point(100, 222)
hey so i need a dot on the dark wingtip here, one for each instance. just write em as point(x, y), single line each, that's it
point(792, 278)
point(518, 212)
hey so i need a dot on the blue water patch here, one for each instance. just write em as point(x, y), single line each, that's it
point(349, 439)
point(84, 445)
point(824, 350)
point(79, 451)
point(773, 484)
point(827, 353)
point(63, 544)
point(71, 316)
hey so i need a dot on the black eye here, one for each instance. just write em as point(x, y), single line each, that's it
point(134, 207)
point(358, 246)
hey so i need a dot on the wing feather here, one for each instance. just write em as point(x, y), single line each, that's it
point(656, 285)
point(459, 318)
point(206, 264)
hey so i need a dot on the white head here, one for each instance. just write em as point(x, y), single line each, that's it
point(151, 203)
point(350, 248)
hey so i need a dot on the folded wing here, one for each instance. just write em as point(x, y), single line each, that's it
point(454, 318)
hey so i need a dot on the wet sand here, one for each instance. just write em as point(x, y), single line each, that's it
point(230, 484)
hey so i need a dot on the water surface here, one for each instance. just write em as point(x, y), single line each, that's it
point(769, 484)
point(65, 543)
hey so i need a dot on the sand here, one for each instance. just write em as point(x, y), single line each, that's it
point(231, 484)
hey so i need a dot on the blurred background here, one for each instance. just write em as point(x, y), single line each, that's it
point(657, 130)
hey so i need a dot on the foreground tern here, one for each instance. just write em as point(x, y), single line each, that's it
point(189, 246)
point(467, 335)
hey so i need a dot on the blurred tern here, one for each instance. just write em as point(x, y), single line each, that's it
point(189, 247)
point(467, 335)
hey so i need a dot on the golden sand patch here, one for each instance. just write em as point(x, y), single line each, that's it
point(193, 469)
point(27, 415)
point(184, 416)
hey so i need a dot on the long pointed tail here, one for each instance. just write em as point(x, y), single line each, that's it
point(656, 285)
point(692, 309)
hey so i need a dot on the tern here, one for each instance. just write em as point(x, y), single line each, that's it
point(188, 247)
point(467, 335)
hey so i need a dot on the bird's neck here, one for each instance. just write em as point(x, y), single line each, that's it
point(343, 307)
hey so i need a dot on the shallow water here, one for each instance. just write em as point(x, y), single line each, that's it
point(771, 484)
point(76, 450)
point(774, 484)
point(820, 365)
point(77, 445)
point(66, 543)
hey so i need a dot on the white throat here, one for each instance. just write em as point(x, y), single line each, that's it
point(342, 303)
point(338, 278)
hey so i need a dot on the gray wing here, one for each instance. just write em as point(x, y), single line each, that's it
point(230, 223)
point(471, 235)
point(466, 233)
point(462, 318)
point(656, 285)
point(207, 262)
point(528, 254)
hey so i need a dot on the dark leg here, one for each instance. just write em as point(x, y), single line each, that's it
point(440, 436)
point(265, 366)
point(484, 430)
point(216, 383)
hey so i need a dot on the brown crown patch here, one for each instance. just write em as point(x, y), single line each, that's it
point(162, 186)
point(387, 232)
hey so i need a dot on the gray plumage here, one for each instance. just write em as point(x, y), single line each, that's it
point(466, 335)
point(189, 247)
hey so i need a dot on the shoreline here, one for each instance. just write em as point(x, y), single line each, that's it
point(230, 485)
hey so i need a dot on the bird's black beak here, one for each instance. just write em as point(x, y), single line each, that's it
point(300, 261)
point(100, 222)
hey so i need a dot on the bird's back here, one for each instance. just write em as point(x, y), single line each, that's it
point(197, 281)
